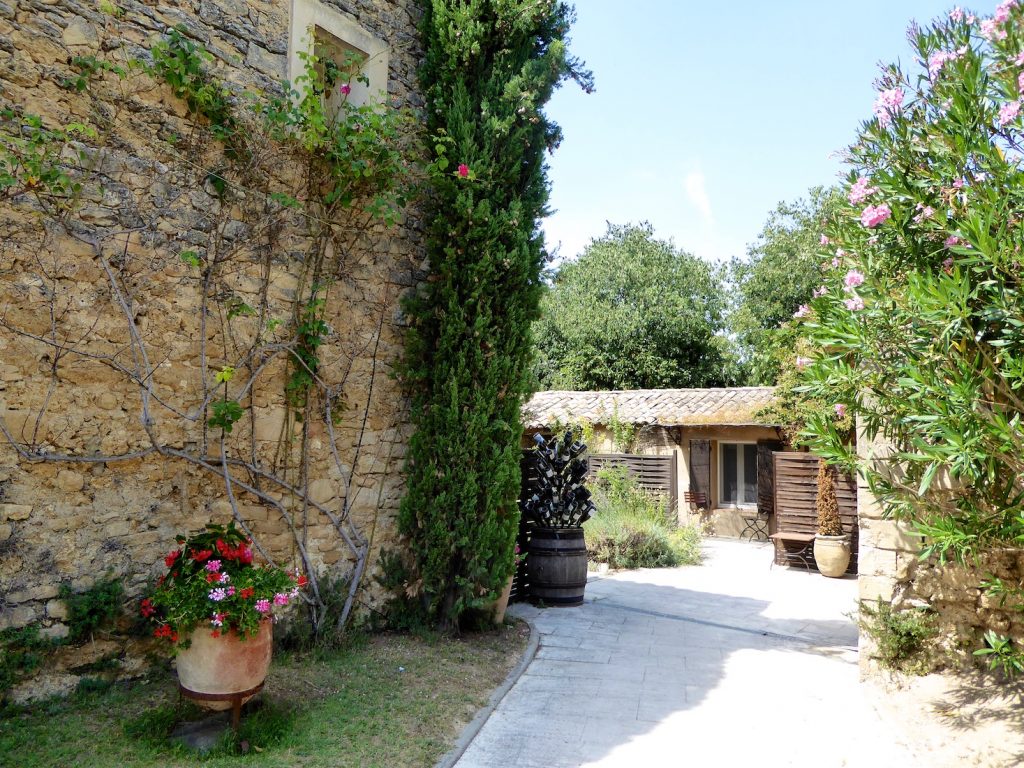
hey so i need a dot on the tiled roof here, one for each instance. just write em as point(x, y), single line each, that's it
point(731, 406)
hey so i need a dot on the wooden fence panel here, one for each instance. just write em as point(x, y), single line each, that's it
point(796, 493)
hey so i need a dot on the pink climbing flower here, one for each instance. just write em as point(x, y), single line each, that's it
point(802, 311)
point(874, 215)
point(855, 303)
point(860, 190)
point(344, 89)
point(840, 410)
point(887, 105)
point(281, 598)
point(1009, 112)
point(263, 606)
point(213, 565)
point(463, 171)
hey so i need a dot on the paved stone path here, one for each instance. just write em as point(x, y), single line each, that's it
point(726, 664)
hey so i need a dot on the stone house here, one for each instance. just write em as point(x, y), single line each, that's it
point(715, 439)
point(161, 290)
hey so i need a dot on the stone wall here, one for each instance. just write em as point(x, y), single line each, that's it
point(83, 296)
point(890, 569)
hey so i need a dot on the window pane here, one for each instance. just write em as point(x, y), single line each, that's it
point(729, 473)
point(750, 474)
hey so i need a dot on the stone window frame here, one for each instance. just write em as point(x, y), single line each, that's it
point(310, 17)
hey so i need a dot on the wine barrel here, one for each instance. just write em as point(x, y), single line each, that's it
point(557, 566)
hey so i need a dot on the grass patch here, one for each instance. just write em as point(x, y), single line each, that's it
point(393, 701)
point(632, 529)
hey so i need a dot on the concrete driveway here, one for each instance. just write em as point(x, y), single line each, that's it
point(725, 664)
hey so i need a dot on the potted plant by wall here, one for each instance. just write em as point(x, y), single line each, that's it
point(558, 506)
point(217, 608)
point(831, 546)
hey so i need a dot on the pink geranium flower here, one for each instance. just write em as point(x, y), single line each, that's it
point(263, 606)
point(213, 566)
point(281, 598)
point(874, 215)
point(463, 171)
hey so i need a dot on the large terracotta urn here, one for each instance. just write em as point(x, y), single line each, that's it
point(832, 554)
point(225, 665)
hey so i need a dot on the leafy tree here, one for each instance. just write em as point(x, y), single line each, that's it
point(632, 312)
point(778, 275)
point(921, 331)
point(489, 69)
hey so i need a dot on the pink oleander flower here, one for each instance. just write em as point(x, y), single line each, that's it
point(887, 105)
point(802, 362)
point(991, 30)
point(824, 240)
point(835, 262)
point(840, 410)
point(802, 311)
point(855, 303)
point(948, 262)
point(956, 15)
point(951, 241)
point(1009, 112)
point(1002, 14)
point(218, 594)
point(281, 598)
point(344, 89)
point(213, 566)
point(263, 606)
point(463, 171)
point(853, 279)
point(1019, 61)
point(819, 292)
point(939, 59)
point(924, 212)
point(1020, 83)
point(874, 215)
point(860, 190)
point(959, 183)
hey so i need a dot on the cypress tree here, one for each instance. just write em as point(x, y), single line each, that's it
point(490, 66)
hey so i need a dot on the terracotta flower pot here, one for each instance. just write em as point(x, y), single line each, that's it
point(832, 554)
point(501, 604)
point(226, 664)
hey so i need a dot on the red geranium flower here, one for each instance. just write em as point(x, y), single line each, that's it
point(147, 608)
point(246, 593)
point(201, 555)
point(215, 633)
point(172, 557)
point(302, 580)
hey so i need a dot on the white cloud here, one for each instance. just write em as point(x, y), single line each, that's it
point(693, 183)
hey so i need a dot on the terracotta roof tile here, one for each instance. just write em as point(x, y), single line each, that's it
point(666, 407)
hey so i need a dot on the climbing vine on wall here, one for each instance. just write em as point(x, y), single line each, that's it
point(489, 70)
point(290, 192)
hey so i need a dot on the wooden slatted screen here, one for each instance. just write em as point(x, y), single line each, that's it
point(766, 476)
point(655, 473)
point(796, 491)
point(700, 469)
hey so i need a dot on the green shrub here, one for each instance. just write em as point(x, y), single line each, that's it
point(633, 529)
point(22, 651)
point(89, 610)
point(901, 637)
point(1002, 655)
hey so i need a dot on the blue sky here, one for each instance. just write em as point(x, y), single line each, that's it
point(708, 114)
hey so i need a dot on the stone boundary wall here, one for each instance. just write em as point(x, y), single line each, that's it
point(891, 570)
point(70, 523)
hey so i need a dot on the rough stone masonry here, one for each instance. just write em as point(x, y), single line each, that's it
point(84, 296)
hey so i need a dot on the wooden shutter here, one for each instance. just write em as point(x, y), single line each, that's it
point(700, 468)
point(766, 476)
